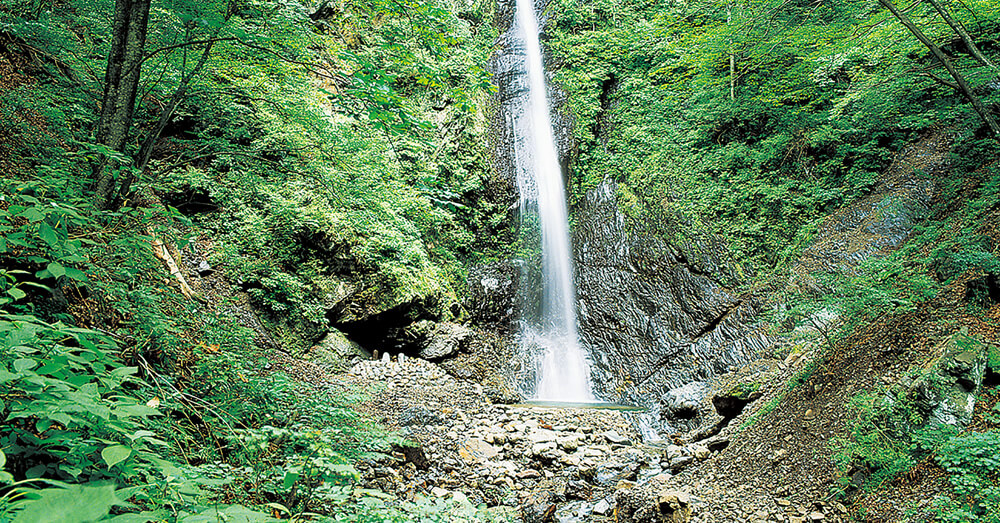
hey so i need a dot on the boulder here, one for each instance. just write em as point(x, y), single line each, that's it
point(336, 349)
point(731, 403)
point(538, 507)
point(476, 451)
point(445, 340)
point(652, 503)
point(946, 393)
point(412, 453)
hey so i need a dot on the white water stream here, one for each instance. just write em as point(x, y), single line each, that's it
point(563, 370)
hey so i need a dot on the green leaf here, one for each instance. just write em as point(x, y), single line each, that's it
point(48, 234)
point(24, 364)
point(76, 274)
point(16, 293)
point(115, 454)
point(290, 479)
point(56, 269)
point(32, 214)
point(72, 504)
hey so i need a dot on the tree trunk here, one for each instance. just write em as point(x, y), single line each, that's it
point(732, 54)
point(146, 150)
point(963, 85)
point(970, 44)
point(121, 84)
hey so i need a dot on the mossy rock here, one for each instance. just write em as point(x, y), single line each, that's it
point(745, 390)
point(732, 402)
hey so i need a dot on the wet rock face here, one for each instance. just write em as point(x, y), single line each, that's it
point(879, 222)
point(493, 294)
point(656, 317)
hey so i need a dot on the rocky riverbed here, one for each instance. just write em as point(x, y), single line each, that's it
point(550, 463)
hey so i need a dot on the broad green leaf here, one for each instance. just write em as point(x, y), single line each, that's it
point(56, 269)
point(72, 504)
point(76, 274)
point(48, 234)
point(142, 517)
point(32, 214)
point(24, 364)
point(115, 454)
point(290, 479)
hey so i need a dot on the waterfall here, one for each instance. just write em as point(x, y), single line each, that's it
point(563, 371)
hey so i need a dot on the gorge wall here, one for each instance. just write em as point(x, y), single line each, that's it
point(660, 318)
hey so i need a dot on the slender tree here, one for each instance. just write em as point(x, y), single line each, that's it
point(970, 43)
point(960, 84)
point(121, 84)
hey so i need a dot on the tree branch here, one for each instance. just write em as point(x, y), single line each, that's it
point(189, 44)
point(942, 81)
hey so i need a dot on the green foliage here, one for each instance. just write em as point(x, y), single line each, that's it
point(66, 504)
point(871, 444)
point(807, 121)
point(68, 415)
point(974, 474)
point(882, 443)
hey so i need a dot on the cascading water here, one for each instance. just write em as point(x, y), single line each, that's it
point(563, 371)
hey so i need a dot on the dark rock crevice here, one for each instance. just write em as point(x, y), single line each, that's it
point(718, 321)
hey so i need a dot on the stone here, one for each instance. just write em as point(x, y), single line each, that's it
point(731, 403)
point(612, 472)
point(545, 450)
point(529, 474)
point(445, 340)
point(602, 507)
point(614, 437)
point(439, 492)
point(677, 464)
point(577, 489)
point(336, 348)
point(569, 443)
point(541, 436)
point(538, 507)
point(946, 394)
point(204, 269)
point(476, 451)
point(418, 415)
point(700, 451)
point(716, 443)
point(816, 516)
point(651, 503)
point(412, 454)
